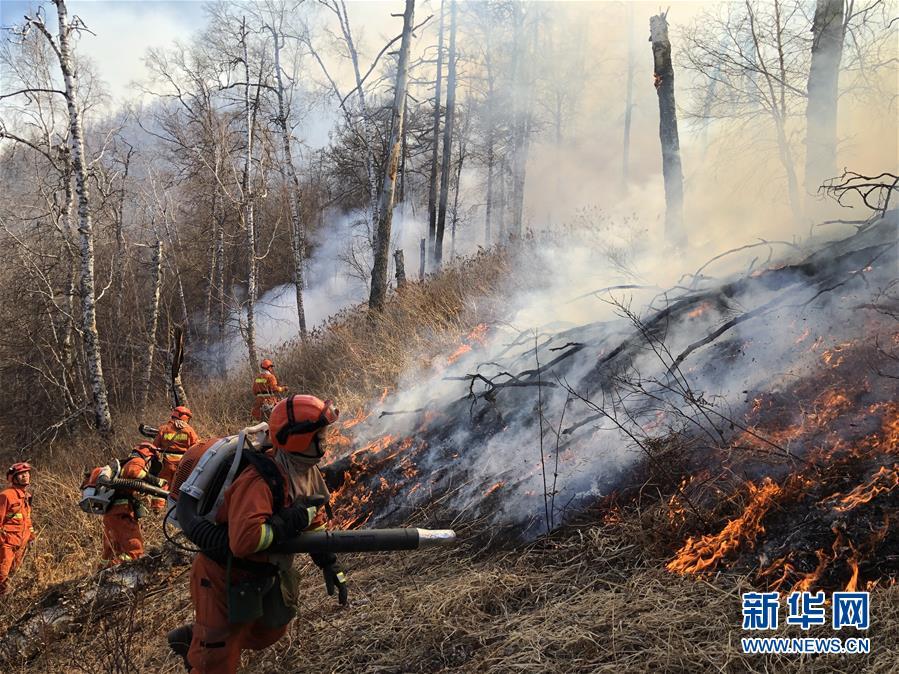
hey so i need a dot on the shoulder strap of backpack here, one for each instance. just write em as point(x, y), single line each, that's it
point(269, 472)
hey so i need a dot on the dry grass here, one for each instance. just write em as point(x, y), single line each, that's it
point(591, 601)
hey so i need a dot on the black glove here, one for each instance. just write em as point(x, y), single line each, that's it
point(289, 522)
point(335, 576)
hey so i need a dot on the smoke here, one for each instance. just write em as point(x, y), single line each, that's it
point(605, 384)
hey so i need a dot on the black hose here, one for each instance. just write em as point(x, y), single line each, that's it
point(359, 540)
point(136, 485)
point(212, 539)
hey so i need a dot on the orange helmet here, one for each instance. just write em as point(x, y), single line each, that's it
point(266, 364)
point(295, 421)
point(145, 450)
point(181, 412)
point(17, 469)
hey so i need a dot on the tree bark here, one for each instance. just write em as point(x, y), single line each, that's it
point(671, 163)
point(433, 181)
point(385, 206)
point(91, 337)
point(249, 205)
point(823, 79)
point(152, 323)
point(400, 266)
point(447, 138)
point(298, 234)
point(491, 150)
point(521, 128)
point(628, 98)
point(422, 259)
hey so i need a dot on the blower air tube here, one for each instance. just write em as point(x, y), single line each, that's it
point(147, 431)
point(365, 540)
point(211, 538)
point(136, 485)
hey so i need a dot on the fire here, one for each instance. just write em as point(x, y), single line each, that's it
point(834, 357)
point(474, 338)
point(495, 487)
point(883, 481)
point(699, 310)
point(704, 553)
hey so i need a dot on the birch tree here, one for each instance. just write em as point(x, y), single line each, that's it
point(62, 48)
point(385, 206)
point(298, 235)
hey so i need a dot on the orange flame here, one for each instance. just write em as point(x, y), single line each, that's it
point(883, 481)
point(498, 485)
point(704, 553)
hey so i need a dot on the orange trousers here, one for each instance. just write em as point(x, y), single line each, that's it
point(217, 644)
point(167, 473)
point(10, 560)
point(122, 537)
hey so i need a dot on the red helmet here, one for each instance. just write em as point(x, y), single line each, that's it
point(266, 364)
point(295, 421)
point(17, 469)
point(145, 450)
point(181, 412)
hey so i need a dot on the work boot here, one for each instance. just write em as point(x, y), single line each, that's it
point(179, 641)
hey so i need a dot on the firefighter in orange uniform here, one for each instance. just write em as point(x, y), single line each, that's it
point(173, 439)
point(122, 537)
point(266, 391)
point(225, 624)
point(16, 531)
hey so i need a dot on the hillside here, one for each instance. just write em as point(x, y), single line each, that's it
point(806, 453)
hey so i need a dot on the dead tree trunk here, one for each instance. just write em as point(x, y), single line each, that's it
point(628, 98)
point(152, 323)
point(821, 113)
point(400, 265)
point(298, 238)
point(385, 206)
point(491, 146)
point(422, 259)
point(90, 335)
point(525, 47)
point(671, 165)
point(179, 396)
point(249, 214)
point(447, 138)
point(435, 146)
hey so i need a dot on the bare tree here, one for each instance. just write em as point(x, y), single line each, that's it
point(251, 106)
point(663, 74)
point(447, 138)
point(152, 323)
point(385, 207)
point(823, 78)
point(298, 237)
point(62, 47)
point(435, 143)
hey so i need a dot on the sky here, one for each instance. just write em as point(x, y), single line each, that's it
point(124, 29)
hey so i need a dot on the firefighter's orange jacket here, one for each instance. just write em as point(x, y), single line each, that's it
point(15, 517)
point(176, 436)
point(217, 643)
point(267, 383)
point(246, 509)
